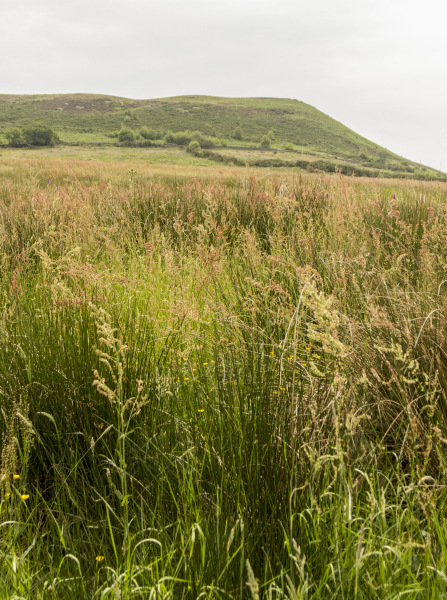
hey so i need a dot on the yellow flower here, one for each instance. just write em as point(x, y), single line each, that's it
point(186, 378)
point(204, 364)
point(25, 496)
point(7, 495)
point(16, 476)
point(99, 558)
point(275, 392)
point(201, 410)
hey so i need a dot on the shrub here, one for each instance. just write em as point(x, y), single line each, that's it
point(238, 134)
point(183, 138)
point(148, 134)
point(203, 140)
point(265, 142)
point(39, 134)
point(126, 135)
point(194, 148)
point(15, 137)
point(288, 146)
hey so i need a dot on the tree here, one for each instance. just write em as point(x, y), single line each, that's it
point(126, 135)
point(238, 133)
point(265, 142)
point(15, 137)
point(39, 134)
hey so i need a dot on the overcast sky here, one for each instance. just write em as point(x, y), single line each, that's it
point(378, 66)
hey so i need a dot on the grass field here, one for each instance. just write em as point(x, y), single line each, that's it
point(220, 383)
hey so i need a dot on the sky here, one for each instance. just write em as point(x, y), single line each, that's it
point(377, 66)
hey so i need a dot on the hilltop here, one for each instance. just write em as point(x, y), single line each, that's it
point(260, 131)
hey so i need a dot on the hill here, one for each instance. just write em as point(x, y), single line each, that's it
point(272, 131)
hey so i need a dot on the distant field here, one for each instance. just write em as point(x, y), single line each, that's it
point(288, 124)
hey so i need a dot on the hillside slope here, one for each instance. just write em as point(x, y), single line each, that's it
point(291, 125)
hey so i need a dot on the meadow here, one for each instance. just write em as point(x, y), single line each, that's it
point(220, 383)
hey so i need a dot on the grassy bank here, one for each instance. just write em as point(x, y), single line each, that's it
point(219, 385)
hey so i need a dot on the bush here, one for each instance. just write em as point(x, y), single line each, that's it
point(194, 148)
point(15, 137)
point(148, 134)
point(126, 135)
point(238, 133)
point(39, 134)
point(183, 138)
point(203, 140)
point(265, 142)
point(288, 146)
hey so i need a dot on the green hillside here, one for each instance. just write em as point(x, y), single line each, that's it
point(301, 134)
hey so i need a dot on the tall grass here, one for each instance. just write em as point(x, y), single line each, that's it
point(221, 387)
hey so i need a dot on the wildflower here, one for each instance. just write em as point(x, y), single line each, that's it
point(275, 392)
point(24, 496)
point(7, 495)
point(394, 196)
point(201, 410)
point(48, 181)
point(99, 558)
point(16, 476)
point(204, 364)
point(186, 378)
point(282, 389)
